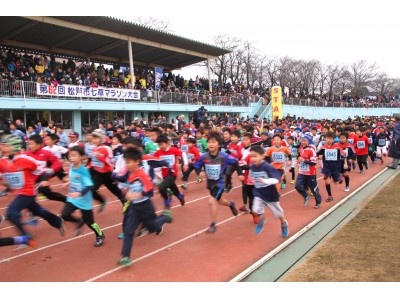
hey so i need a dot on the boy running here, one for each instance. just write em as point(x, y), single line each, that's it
point(277, 154)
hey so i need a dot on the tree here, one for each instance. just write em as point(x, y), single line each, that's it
point(362, 74)
point(334, 73)
point(383, 84)
point(154, 23)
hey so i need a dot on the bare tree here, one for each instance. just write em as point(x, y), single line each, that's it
point(334, 73)
point(362, 74)
point(383, 84)
point(153, 23)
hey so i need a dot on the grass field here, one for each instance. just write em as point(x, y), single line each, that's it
point(366, 249)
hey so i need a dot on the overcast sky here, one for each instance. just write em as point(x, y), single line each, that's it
point(330, 31)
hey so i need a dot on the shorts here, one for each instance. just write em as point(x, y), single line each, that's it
point(275, 207)
point(330, 172)
point(342, 170)
point(216, 189)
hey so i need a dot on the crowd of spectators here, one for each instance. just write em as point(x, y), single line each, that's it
point(15, 65)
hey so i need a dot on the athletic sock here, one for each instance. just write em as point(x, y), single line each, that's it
point(328, 189)
point(96, 229)
point(20, 240)
point(180, 196)
point(347, 180)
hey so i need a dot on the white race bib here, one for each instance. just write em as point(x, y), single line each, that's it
point(136, 187)
point(304, 167)
point(360, 144)
point(293, 151)
point(184, 148)
point(213, 171)
point(278, 157)
point(75, 187)
point(382, 142)
point(15, 180)
point(96, 163)
point(256, 175)
point(331, 154)
point(170, 159)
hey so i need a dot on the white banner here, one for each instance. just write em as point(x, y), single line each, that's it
point(78, 91)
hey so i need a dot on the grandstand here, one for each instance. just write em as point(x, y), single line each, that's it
point(91, 42)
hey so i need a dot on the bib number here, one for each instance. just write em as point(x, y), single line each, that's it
point(304, 167)
point(15, 180)
point(331, 155)
point(96, 163)
point(170, 159)
point(213, 171)
point(278, 157)
point(382, 143)
point(184, 148)
point(360, 144)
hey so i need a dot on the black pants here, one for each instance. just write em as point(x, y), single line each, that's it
point(87, 216)
point(46, 191)
point(247, 193)
point(308, 181)
point(362, 160)
point(168, 182)
point(105, 178)
point(186, 174)
point(228, 174)
point(136, 214)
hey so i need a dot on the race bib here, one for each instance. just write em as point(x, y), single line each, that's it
point(199, 146)
point(213, 171)
point(351, 141)
point(184, 148)
point(304, 167)
point(170, 159)
point(89, 150)
point(233, 151)
point(278, 157)
point(360, 144)
point(293, 151)
point(136, 187)
point(75, 187)
point(133, 134)
point(190, 156)
point(382, 142)
point(331, 154)
point(96, 163)
point(110, 133)
point(15, 180)
point(256, 175)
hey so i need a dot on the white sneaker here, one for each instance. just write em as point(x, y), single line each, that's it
point(347, 189)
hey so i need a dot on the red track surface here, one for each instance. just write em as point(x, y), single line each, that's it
point(182, 253)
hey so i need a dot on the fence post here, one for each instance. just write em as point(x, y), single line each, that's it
point(23, 90)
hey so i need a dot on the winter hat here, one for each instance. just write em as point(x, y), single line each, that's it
point(99, 133)
point(308, 138)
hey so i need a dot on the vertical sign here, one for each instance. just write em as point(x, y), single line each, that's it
point(276, 98)
point(159, 74)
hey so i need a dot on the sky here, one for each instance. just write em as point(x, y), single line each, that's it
point(330, 31)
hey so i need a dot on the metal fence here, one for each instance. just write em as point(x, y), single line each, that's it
point(28, 89)
point(337, 103)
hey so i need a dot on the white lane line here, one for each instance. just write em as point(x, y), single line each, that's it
point(103, 229)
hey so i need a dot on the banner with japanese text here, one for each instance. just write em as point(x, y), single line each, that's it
point(79, 91)
point(276, 98)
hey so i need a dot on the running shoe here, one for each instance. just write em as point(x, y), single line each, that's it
point(318, 205)
point(21, 247)
point(167, 203)
point(31, 241)
point(292, 181)
point(2, 218)
point(212, 228)
point(199, 180)
point(184, 186)
point(362, 172)
point(62, 227)
point(169, 216)
point(102, 206)
point(256, 218)
point(306, 200)
point(244, 209)
point(4, 193)
point(125, 261)
point(160, 232)
point(285, 229)
point(121, 236)
point(233, 208)
point(32, 222)
point(99, 240)
point(329, 199)
point(260, 226)
point(283, 186)
point(347, 189)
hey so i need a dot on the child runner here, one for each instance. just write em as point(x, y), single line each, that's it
point(201, 142)
point(361, 144)
point(307, 172)
point(235, 150)
point(80, 196)
point(294, 153)
point(215, 163)
point(265, 190)
point(138, 208)
point(101, 168)
point(73, 140)
point(330, 155)
point(372, 144)
point(347, 159)
point(192, 155)
point(170, 155)
point(20, 173)
point(277, 154)
point(116, 146)
point(382, 142)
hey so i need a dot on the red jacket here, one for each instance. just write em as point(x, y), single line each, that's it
point(169, 156)
point(46, 158)
point(361, 145)
point(310, 160)
point(193, 155)
point(235, 150)
point(101, 159)
point(21, 173)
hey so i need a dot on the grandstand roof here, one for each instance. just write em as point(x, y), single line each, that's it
point(104, 39)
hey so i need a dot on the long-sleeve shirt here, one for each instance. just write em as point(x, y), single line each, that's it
point(361, 145)
point(101, 159)
point(307, 167)
point(268, 193)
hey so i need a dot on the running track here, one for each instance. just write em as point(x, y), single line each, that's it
point(183, 253)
